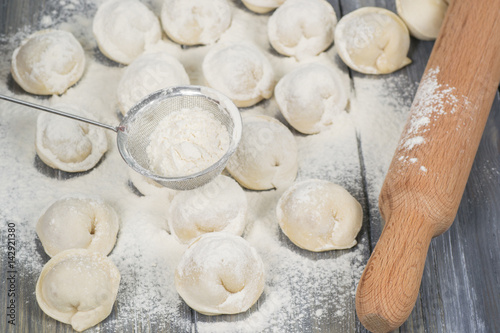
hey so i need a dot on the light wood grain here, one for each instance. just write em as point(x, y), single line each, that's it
point(418, 205)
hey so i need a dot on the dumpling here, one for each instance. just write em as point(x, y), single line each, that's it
point(69, 145)
point(241, 72)
point(123, 29)
point(78, 223)
point(373, 40)
point(220, 273)
point(318, 215)
point(48, 62)
point(262, 6)
point(424, 17)
point(220, 205)
point(146, 74)
point(78, 287)
point(302, 28)
point(194, 22)
point(267, 156)
point(148, 187)
point(311, 97)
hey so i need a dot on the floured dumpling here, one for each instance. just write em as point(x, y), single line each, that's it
point(147, 186)
point(220, 205)
point(78, 223)
point(424, 17)
point(220, 273)
point(267, 156)
point(318, 215)
point(48, 62)
point(373, 40)
point(194, 22)
point(69, 145)
point(241, 72)
point(146, 74)
point(123, 29)
point(302, 28)
point(78, 287)
point(311, 97)
point(262, 6)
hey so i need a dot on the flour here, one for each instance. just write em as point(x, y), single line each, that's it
point(186, 142)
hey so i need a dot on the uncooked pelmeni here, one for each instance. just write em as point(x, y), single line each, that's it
point(262, 6)
point(220, 205)
point(220, 273)
point(424, 17)
point(146, 74)
point(78, 287)
point(69, 145)
point(78, 223)
point(318, 215)
point(123, 29)
point(311, 97)
point(373, 40)
point(267, 156)
point(241, 72)
point(48, 62)
point(195, 22)
point(302, 28)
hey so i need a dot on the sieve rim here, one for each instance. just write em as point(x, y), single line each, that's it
point(215, 96)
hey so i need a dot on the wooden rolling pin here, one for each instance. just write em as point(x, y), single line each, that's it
point(428, 173)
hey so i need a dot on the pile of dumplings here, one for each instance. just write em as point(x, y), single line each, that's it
point(220, 273)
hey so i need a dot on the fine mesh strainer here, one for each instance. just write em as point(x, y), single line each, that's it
point(133, 133)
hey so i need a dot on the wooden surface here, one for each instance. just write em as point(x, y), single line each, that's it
point(460, 290)
point(418, 204)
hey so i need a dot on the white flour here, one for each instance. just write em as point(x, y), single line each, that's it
point(300, 287)
point(186, 142)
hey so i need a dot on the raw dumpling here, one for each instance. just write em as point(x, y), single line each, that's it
point(146, 74)
point(78, 223)
point(267, 156)
point(124, 28)
point(194, 22)
point(424, 17)
point(148, 187)
point(302, 28)
point(318, 215)
point(241, 72)
point(311, 97)
point(220, 273)
point(373, 40)
point(48, 62)
point(69, 145)
point(220, 205)
point(262, 6)
point(78, 287)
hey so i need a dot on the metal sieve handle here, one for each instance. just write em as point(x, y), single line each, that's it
point(60, 113)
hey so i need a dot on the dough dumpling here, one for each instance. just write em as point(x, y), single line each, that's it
point(318, 215)
point(302, 28)
point(241, 72)
point(78, 223)
point(123, 29)
point(267, 156)
point(262, 6)
point(373, 40)
point(220, 205)
point(424, 17)
point(194, 22)
point(78, 287)
point(146, 74)
point(220, 273)
point(69, 145)
point(311, 97)
point(48, 62)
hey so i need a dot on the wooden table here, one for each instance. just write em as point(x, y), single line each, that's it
point(460, 290)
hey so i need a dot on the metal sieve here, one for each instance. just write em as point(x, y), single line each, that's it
point(134, 131)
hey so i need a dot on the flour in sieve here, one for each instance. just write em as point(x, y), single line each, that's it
point(186, 142)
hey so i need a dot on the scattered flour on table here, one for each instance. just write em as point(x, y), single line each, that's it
point(301, 287)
